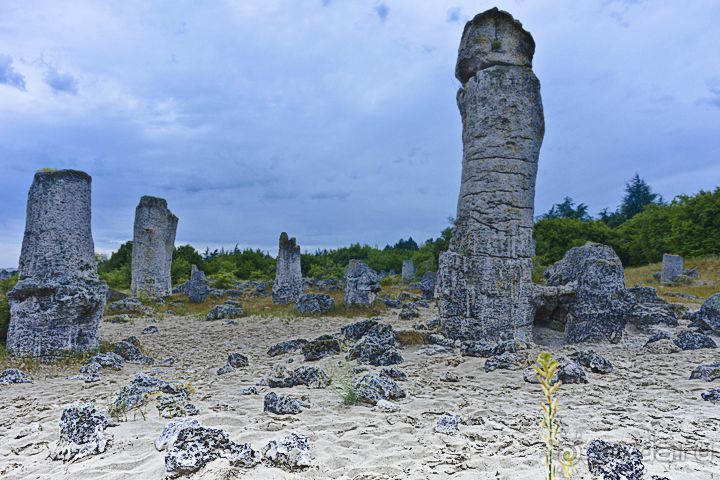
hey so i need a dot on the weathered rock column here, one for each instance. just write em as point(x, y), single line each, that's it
point(59, 299)
point(408, 270)
point(484, 285)
point(288, 285)
point(153, 246)
point(672, 266)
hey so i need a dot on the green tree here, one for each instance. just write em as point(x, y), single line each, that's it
point(567, 209)
point(638, 195)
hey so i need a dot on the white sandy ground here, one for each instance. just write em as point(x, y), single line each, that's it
point(648, 400)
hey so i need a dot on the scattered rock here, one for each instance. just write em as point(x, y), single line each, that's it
point(108, 360)
point(706, 371)
point(485, 349)
point(426, 285)
point(178, 405)
point(291, 452)
point(394, 373)
point(614, 461)
point(136, 393)
point(129, 305)
point(310, 376)
point(229, 310)
point(449, 377)
point(506, 361)
point(248, 391)
point(355, 331)
point(391, 302)
point(374, 387)
point(234, 360)
point(170, 433)
point(571, 372)
point(447, 424)
point(663, 346)
point(314, 304)
point(286, 347)
point(282, 404)
point(712, 395)
point(82, 433)
point(708, 317)
point(150, 330)
point(689, 340)
point(361, 284)
point(129, 350)
point(409, 311)
point(593, 361)
point(13, 375)
point(386, 406)
point(321, 347)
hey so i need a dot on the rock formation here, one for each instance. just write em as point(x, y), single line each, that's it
point(484, 286)
point(197, 288)
point(672, 266)
point(58, 301)
point(408, 270)
point(288, 284)
point(153, 245)
point(361, 284)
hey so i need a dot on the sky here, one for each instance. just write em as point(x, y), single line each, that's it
point(335, 120)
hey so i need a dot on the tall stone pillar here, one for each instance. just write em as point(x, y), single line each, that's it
point(288, 286)
point(408, 270)
point(484, 285)
point(153, 246)
point(59, 299)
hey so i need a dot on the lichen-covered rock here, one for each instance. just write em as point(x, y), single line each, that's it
point(391, 302)
point(599, 309)
point(129, 349)
point(386, 406)
point(149, 330)
point(484, 287)
point(394, 373)
point(288, 346)
point(706, 371)
point(196, 446)
point(712, 395)
point(369, 350)
point(506, 361)
point(178, 405)
point(426, 285)
point(649, 309)
point(449, 377)
point(361, 284)
point(689, 340)
point(13, 375)
point(355, 331)
point(447, 424)
point(571, 372)
point(197, 289)
point(321, 347)
point(593, 361)
point(409, 311)
point(291, 452)
point(314, 304)
point(614, 461)
point(708, 317)
point(672, 267)
point(129, 305)
point(58, 301)
point(373, 387)
point(248, 391)
point(661, 347)
point(234, 361)
point(310, 376)
point(152, 248)
point(82, 433)
point(408, 270)
point(485, 349)
point(136, 393)
point(108, 360)
point(230, 309)
point(288, 285)
point(169, 435)
point(282, 404)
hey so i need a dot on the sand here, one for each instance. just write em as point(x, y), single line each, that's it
point(648, 400)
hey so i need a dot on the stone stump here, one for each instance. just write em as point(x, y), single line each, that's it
point(288, 285)
point(484, 286)
point(408, 270)
point(59, 299)
point(361, 284)
point(672, 266)
point(153, 246)
point(197, 288)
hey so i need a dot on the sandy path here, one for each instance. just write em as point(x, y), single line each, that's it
point(647, 400)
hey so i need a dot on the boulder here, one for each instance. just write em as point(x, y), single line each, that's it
point(170, 432)
point(152, 248)
point(108, 360)
point(593, 361)
point(672, 266)
point(506, 361)
point(291, 452)
point(82, 433)
point(282, 404)
point(321, 347)
point(355, 331)
point(712, 395)
point(426, 285)
point(13, 375)
point(708, 317)
point(373, 387)
point(58, 301)
point(447, 424)
point(310, 376)
point(361, 284)
point(174, 406)
point(234, 361)
point(288, 285)
point(141, 386)
point(614, 461)
point(706, 371)
point(689, 340)
point(229, 310)
point(288, 346)
point(314, 304)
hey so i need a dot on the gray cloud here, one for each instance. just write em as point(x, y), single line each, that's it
point(382, 11)
point(60, 82)
point(453, 15)
point(8, 75)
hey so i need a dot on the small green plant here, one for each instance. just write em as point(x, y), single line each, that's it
point(546, 368)
point(496, 45)
point(341, 379)
point(350, 396)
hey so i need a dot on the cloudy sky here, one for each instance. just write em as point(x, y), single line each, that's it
point(336, 119)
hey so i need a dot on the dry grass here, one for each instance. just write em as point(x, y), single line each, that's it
point(707, 285)
point(51, 366)
point(407, 338)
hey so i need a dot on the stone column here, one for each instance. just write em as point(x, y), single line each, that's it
point(408, 270)
point(59, 299)
point(288, 285)
point(361, 284)
point(484, 286)
point(153, 246)
point(672, 266)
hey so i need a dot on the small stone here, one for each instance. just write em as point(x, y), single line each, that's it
point(571, 372)
point(82, 433)
point(248, 391)
point(286, 347)
point(314, 304)
point(291, 452)
point(282, 404)
point(712, 395)
point(136, 393)
point(689, 340)
point(355, 331)
point(614, 461)
point(394, 373)
point(593, 361)
point(129, 350)
point(449, 377)
point(150, 330)
point(506, 361)
point(310, 376)
point(664, 346)
point(321, 347)
point(409, 311)
point(706, 371)
point(228, 310)
point(486, 349)
point(234, 360)
point(374, 387)
point(170, 433)
point(172, 406)
point(447, 424)
point(386, 406)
